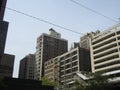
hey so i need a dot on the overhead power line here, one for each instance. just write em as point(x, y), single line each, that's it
point(93, 11)
point(42, 20)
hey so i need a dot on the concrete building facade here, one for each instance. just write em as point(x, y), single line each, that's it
point(27, 64)
point(84, 40)
point(77, 59)
point(52, 68)
point(48, 46)
point(105, 50)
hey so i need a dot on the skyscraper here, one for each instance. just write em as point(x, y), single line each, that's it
point(48, 46)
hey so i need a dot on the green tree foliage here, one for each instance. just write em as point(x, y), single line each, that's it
point(78, 86)
point(46, 81)
point(98, 82)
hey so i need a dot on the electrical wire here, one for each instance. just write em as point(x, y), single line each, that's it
point(45, 21)
point(93, 10)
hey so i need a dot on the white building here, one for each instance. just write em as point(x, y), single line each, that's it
point(105, 50)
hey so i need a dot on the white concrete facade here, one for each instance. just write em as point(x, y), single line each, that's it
point(105, 50)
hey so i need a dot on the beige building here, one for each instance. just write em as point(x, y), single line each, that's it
point(84, 40)
point(77, 59)
point(52, 69)
point(62, 68)
point(105, 50)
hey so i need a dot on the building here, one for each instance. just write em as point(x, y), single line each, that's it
point(2, 8)
point(105, 50)
point(3, 27)
point(48, 46)
point(84, 40)
point(27, 64)
point(3, 35)
point(62, 68)
point(74, 45)
point(77, 59)
point(6, 65)
point(52, 68)
point(6, 60)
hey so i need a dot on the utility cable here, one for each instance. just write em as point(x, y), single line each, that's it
point(45, 21)
point(93, 10)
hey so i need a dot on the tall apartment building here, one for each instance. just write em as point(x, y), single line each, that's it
point(48, 46)
point(105, 50)
point(6, 65)
point(84, 40)
point(27, 64)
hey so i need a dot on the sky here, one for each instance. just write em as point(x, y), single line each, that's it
point(23, 30)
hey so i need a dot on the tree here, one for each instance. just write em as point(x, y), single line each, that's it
point(96, 82)
point(78, 85)
point(99, 82)
point(46, 81)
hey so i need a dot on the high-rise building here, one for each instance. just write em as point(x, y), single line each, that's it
point(85, 39)
point(48, 46)
point(2, 9)
point(105, 50)
point(27, 64)
point(6, 65)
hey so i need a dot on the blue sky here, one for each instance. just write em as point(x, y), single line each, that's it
point(23, 31)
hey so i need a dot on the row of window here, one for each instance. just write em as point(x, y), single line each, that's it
point(69, 65)
point(68, 55)
point(68, 60)
point(108, 64)
point(69, 71)
point(107, 59)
